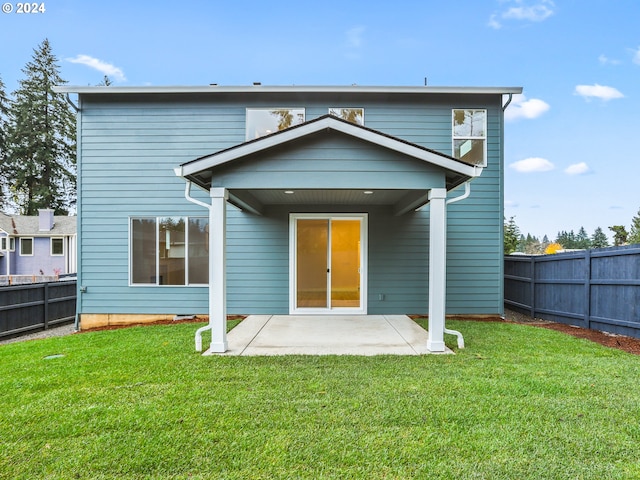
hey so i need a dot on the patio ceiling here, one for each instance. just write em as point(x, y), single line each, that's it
point(256, 200)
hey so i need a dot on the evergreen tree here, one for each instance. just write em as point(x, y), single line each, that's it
point(566, 239)
point(582, 239)
point(634, 233)
point(599, 239)
point(41, 134)
point(5, 105)
point(511, 235)
point(619, 234)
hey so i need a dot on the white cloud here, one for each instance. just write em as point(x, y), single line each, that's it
point(533, 164)
point(598, 91)
point(494, 23)
point(577, 169)
point(533, 13)
point(355, 37)
point(103, 67)
point(604, 60)
point(523, 11)
point(520, 107)
point(511, 204)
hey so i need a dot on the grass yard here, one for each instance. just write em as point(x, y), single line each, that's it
point(519, 402)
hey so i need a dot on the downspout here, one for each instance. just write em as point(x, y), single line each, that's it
point(467, 192)
point(73, 105)
point(209, 326)
point(80, 289)
point(501, 191)
point(504, 107)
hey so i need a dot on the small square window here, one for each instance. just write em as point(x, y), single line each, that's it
point(57, 246)
point(26, 246)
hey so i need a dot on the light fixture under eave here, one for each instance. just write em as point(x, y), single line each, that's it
point(368, 192)
point(289, 192)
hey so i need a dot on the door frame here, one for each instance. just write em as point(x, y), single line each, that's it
point(364, 249)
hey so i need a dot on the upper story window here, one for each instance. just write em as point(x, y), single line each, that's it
point(353, 115)
point(26, 246)
point(265, 121)
point(7, 243)
point(57, 246)
point(470, 136)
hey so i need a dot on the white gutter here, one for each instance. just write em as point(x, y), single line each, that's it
point(244, 89)
point(187, 195)
point(467, 192)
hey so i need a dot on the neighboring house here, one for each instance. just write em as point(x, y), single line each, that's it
point(289, 200)
point(42, 245)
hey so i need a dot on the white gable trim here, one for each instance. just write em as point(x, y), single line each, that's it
point(326, 123)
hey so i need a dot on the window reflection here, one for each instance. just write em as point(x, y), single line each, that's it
point(353, 115)
point(263, 121)
point(163, 250)
point(469, 135)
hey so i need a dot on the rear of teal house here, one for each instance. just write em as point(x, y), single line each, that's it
point(221, 200)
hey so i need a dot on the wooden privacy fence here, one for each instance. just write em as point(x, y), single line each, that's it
point(597, 289)
point(36, 306)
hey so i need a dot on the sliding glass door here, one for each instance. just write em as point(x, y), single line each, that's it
point(328, 263)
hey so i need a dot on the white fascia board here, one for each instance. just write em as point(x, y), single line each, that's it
point(285, 136)
point(113, 90)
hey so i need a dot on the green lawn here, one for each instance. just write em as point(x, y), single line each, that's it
point(519, 402)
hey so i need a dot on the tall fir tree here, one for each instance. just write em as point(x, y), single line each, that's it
point(5, 107)
point(582, 239)
point(511, 235)
point(599, 239)
point(634, 233)
point(41, 134)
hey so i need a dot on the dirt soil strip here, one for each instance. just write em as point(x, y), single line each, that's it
point(621, 342)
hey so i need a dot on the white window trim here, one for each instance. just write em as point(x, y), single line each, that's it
point(454, 137)
point(33, 247)
point(364, 255)
point(349, 108)
point(51, 247)
point(7, 244)
point(157, 233)
point(246, 117)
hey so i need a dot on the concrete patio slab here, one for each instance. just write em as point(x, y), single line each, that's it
point(327, 335)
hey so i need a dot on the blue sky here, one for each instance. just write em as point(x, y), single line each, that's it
point(568, 161)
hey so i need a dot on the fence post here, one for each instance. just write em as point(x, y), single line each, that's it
point(46, 305)
point(587, 289)
point(533, 287)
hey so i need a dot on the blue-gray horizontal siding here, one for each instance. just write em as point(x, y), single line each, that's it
point(258, 260)
point(128, 151)
point(329, 160)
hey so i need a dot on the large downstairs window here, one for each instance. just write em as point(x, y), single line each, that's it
point(169, 251)
point(470, 136)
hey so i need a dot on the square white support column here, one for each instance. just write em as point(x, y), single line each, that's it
point(218, 269)
point(437, 268)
